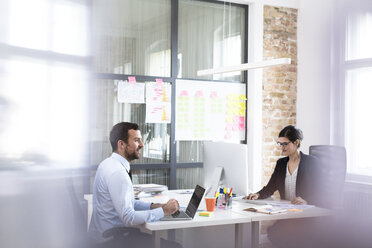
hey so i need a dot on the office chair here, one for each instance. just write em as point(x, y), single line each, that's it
point(332, 171)
point(78, 206)
point(81, 239)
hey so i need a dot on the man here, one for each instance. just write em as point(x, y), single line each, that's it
point(113, 197)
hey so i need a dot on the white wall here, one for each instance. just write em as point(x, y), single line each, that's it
point(314, 71)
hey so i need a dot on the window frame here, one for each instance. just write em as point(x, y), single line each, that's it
point(341, 66)
point(173, 165)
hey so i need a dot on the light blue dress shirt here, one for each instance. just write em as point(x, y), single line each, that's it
point(113, 199)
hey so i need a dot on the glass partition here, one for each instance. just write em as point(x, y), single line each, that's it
point(132, 37)
point(157, 176)
point(189, 151)
point(188, 178)
point(107, 111)
point(210, 35)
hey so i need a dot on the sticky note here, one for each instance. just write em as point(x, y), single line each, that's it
point(205, 214)
point(294, 210)
point(132, 80)
point(159, 81)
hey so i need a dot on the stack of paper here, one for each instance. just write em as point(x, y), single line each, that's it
point(150, 188)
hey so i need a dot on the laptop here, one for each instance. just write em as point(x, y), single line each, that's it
point(191, 208)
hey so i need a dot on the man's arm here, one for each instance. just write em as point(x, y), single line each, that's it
point(156, 205)
point(169, 208)
point(122, 197)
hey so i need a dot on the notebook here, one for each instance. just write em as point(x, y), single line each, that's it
point(191, 208)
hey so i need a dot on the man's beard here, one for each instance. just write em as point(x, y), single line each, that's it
point(132, 156)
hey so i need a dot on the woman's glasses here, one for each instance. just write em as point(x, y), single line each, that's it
point(283, 144)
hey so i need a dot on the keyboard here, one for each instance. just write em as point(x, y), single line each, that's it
point(179, 214)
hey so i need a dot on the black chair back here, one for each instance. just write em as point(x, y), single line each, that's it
point(332, 170)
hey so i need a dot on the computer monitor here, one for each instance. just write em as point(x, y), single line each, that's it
point(233, 158)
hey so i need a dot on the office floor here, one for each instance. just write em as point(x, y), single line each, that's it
point(266, 245)
point(264, 242)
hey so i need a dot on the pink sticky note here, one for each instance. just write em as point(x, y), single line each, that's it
point(199, 93)
point(228, 135)
point(159, 81)
point(214, 94)
point(184, 93)
point(132, 80)
point(241, 126)
point(228, 127)
point(235, 127)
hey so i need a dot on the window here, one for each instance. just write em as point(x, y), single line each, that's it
point(358, 120)
point(355, 72)
point(44, 83)
point(167, 39)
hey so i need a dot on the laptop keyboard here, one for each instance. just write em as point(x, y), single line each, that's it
point(179, 214)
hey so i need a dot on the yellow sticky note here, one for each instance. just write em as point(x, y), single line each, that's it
point(229, 118)
point(205, 214)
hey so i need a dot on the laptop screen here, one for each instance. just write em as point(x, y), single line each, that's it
point(195, 201)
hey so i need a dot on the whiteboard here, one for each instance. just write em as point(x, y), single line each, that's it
point(210, 110)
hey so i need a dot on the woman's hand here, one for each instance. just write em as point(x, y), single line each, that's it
point(252, 196)
point(298, 201)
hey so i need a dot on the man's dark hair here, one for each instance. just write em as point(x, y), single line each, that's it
point(121, 132)
point(292, 133)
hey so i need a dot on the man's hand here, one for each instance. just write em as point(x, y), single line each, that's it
point(298, 201)
point(252, 196)
point(171, 207)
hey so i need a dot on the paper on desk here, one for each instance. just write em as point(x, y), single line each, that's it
point(290, 206)
point(266, 209)
point(280, 204)
point(150, 187)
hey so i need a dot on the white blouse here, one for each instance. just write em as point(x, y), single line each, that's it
point(290, 184)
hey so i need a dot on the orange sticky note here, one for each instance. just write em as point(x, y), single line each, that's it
point(294, 210)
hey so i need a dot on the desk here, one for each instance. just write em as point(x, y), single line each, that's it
point(219, 217)
point(235, 216)
point(256, 218)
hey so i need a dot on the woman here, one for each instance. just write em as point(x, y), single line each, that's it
point(294, 175)
point(296, 178)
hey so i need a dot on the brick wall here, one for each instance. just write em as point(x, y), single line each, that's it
point(279, 83)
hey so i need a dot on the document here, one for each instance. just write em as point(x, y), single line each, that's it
point(158, 102)
point(150, 188)
point(266, 209)
point(291, 206)
point(131, 92)
point(278, 204)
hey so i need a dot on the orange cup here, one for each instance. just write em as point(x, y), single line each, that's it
point(210, 202)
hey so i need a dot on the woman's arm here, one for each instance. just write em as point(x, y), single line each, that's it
point(271, 186)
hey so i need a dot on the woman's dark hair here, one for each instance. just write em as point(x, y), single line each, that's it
point(120, 132)
point(292, 133)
